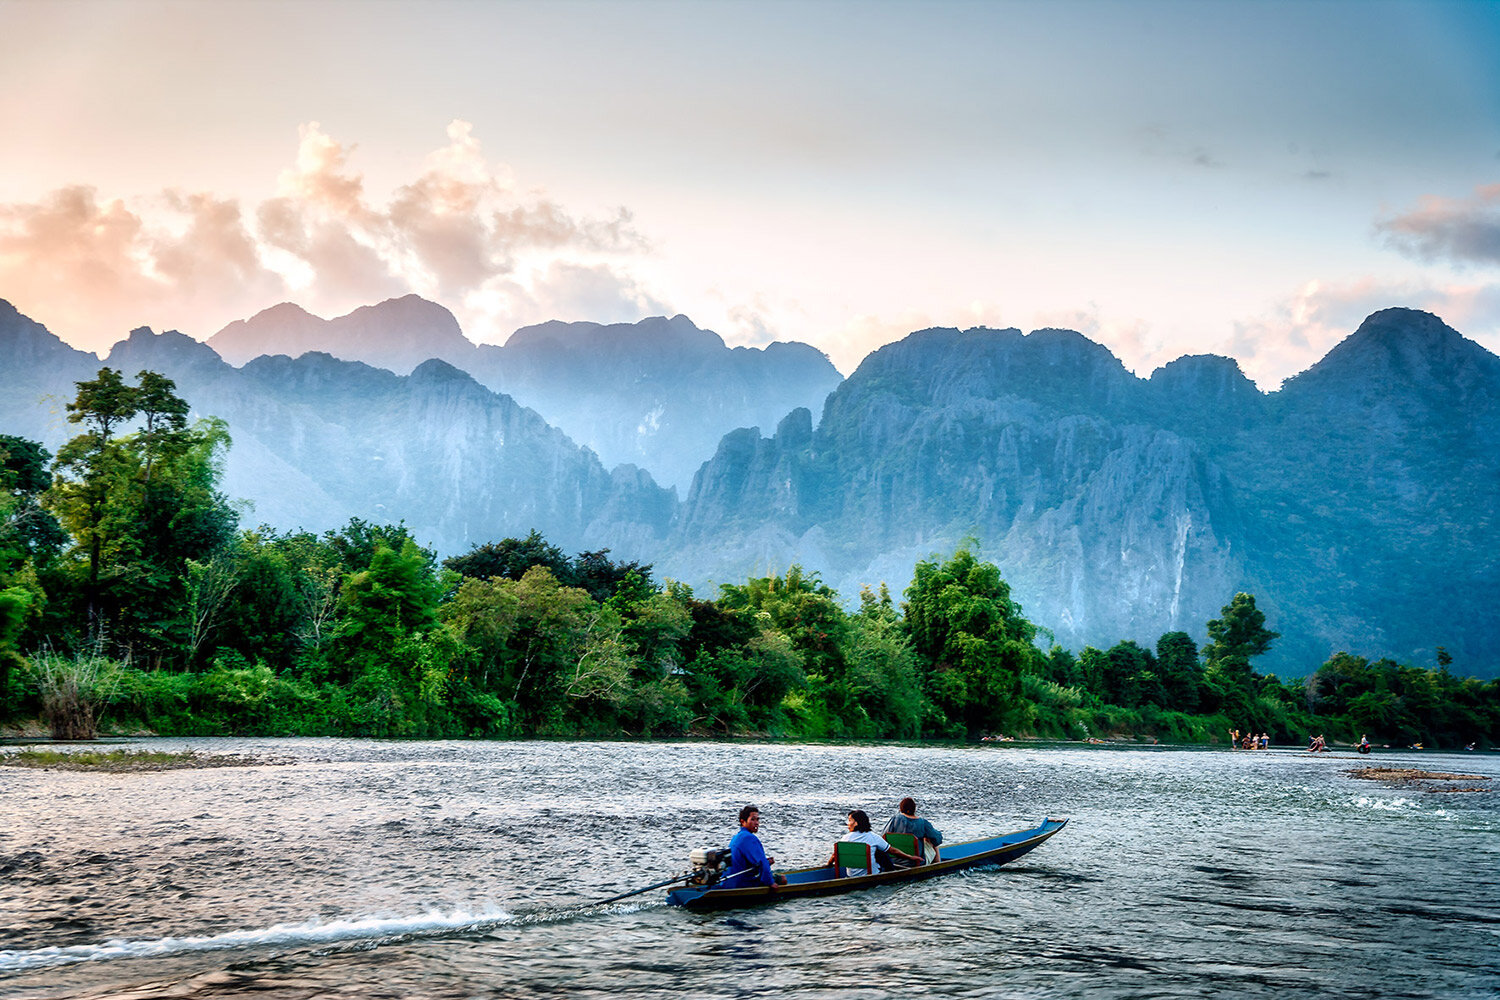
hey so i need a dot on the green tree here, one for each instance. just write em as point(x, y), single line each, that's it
point(87, 496)
point(973, 638)
point(806, 613)
point(139, 506)
point(883, 679)
point(511, 558)
point(1239, 635)
point(27, 530)
point(1181, 674)
point(390, 648)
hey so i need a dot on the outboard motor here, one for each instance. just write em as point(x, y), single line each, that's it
point(708, 864)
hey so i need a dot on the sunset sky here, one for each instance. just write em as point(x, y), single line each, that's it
point(1248, 179)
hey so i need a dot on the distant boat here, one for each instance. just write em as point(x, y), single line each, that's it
point(826, 880)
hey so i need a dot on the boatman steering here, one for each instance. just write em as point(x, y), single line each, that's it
point(747, 859)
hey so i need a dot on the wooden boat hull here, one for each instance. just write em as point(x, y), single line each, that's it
point(807, 882)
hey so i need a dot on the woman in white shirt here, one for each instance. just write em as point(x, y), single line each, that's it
point(860, 833)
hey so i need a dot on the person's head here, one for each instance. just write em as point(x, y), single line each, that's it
point(750, 818)
point(907, 806)
point(858, 821)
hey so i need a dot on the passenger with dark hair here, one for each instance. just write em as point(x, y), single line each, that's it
point(747, 859)
point(858, 822)
point(907, 821)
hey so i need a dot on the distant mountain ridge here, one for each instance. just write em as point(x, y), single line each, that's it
point(318, 440)
point(658, 393)
point(1357, 502)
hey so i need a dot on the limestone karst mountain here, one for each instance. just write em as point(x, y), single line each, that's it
point(1358, 502)
point(318, 440)
point(658, 393)
point(397, 335)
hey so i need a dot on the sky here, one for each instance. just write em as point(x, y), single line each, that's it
point(1241, 178)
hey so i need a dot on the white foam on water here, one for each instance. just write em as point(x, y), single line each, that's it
point(308, 933)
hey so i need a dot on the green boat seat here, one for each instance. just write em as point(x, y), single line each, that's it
point(904, 842)
point(848, 854)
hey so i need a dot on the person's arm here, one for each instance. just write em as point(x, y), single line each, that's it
point(935, 838)
point(756, 855)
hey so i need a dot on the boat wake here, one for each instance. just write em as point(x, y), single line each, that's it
point(311, 933)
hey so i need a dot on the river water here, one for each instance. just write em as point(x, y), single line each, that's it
point(382, 869)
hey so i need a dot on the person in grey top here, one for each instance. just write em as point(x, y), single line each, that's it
point(907, 821)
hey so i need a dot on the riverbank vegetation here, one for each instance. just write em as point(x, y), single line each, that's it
point(131, 599)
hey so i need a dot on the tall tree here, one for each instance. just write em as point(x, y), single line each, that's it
point(90, 469)
point(964, 624)
point(140, 505)
point(1234, 638)
point(1181, 674)
point(27, 530)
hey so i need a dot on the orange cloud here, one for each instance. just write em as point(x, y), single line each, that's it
point(458, 233)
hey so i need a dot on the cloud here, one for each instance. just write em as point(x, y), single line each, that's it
point(561, 290)
point(91, 269)
point(459, 233)
point(1296, 333)
point(1462, 231)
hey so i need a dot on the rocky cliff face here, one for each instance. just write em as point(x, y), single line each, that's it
point(658, 394)
point(1357, 503)
point(1372, 485)
point(1034, 446)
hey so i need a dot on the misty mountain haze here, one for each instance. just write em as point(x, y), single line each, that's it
point(1356, 502)
point(658, 393)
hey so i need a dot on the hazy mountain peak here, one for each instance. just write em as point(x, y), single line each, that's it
point(1396, 347)
point(409, 316)
point(1204, 375)
point(397, 334)
point(654, 333)
point(438, 370)
point(26, 345)
point(282, 312)
point(172, 349)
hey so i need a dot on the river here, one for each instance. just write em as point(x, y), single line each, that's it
point(378, 869)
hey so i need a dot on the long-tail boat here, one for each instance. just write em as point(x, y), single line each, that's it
point(702, 893)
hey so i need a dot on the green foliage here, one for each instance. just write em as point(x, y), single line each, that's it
point(139, 507)
point(1235, 639)
point(964, 624)
point(14, 604)
point(27, 530)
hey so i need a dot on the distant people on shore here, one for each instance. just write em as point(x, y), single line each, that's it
point(1364, 743)
point(1234, 739)
point(1265, 741)
point(1316, 744)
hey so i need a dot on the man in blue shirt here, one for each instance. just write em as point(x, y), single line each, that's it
point(747, 859)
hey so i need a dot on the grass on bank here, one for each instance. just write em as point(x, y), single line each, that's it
point(122, 760)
